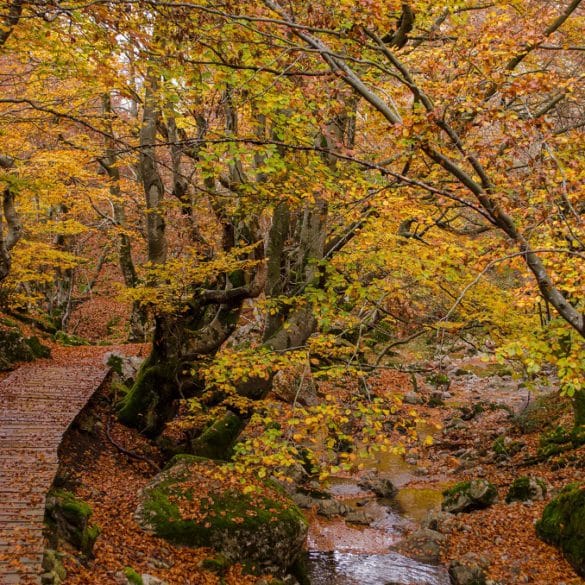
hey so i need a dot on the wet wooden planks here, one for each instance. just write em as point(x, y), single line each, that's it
point(38, 402)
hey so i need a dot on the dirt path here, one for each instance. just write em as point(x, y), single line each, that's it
point(38, 402)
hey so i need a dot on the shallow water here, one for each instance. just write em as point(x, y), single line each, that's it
point(339, 568)
point(341, 553)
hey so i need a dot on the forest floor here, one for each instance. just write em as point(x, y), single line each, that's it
point(97, 470)
point(502, 535)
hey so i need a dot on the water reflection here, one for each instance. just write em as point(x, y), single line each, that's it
point(337, 568)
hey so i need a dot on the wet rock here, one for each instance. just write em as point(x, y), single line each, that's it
point(271, 537)
point(331, 507)
point(468, 570)
point(359, 517)
point(467, 496)
point(524, 489)
point(378, 483)
point(424, 545)
point(563, 525)
point(303, 500)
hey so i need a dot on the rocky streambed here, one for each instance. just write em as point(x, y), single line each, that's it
point(356, 536)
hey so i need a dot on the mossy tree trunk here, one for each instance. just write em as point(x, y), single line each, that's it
point(579, 409)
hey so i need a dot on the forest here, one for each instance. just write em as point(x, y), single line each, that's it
point(292, 292)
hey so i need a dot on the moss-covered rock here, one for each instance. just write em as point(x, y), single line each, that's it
point(132, 576)
point(563, 525)
point(68, 518)
point(217, 441)
point(197, 503)
point(13, 348)
point(524, 489)
point(467, 496)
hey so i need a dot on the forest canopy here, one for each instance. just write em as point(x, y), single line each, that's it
point(267, 185)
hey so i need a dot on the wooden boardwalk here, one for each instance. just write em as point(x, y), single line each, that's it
point(38, 402)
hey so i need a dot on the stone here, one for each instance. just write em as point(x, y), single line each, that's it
point(54, 572)
point(262, 528)
point(468, 570)
point(525, 489)
point(68, 517)
point(152, 580)
point(412, 398)
point(127, 367)
point(424, 545)
point(563, 525)
point(331, 507)
point(467, 496)
point(443, 522)
point(359, 517)
point(13, 348)
point(378, 483)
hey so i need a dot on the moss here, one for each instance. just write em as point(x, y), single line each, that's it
point(133, 577)
point(39, 350)
point(216, 442)
point(543, 413)
point(563, 525)
point(70, 517)
point(525, 488)
point(74, 509)
point(439, 380)
point(69, 340)
point(579, 408)
point(224, 520)
point(139, 407)
point(218, 564)
point(466, 496)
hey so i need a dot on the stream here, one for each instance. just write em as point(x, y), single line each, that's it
point(344, 553)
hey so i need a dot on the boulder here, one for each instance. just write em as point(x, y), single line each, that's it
point(423, 545)
point(331, 507)
point(525, 489)
point(13, 348)
point(465, 574)
point(68, 517)
point(197, 503)
point(442, 522)
point(467, 496)
point(378, 483)
point(468, 570)
point(563, 525)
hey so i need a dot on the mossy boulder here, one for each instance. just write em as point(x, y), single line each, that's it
point(525, 489)
point(563, 525)
point(202, 503)
point(467, 496)
point(68, 517)
point(13, 348)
